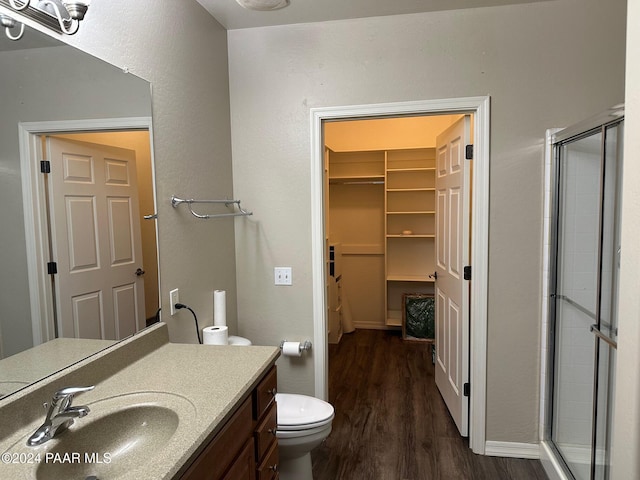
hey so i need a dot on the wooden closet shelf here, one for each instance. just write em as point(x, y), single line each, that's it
point(413, 235)
point(412, 169)
point(413, 212)
point(411, 189)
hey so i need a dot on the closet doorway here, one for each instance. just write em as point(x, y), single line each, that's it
point(382, 238)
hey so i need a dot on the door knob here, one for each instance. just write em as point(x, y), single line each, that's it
point(434, 275)
point(139, 272)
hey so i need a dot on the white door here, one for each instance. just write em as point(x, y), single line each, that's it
point(452, 255)
point(96, 239)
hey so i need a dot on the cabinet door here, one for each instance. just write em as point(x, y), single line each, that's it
point(244, 467)
point(221, 452)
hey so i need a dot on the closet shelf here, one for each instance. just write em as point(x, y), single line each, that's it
point(357, 180)
point(412, 169)
point(409, 278)
point(413, 212)
point(411, 189)
point(175, 201)
point(413, 235)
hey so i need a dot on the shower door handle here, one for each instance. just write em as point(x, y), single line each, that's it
point(596, 331)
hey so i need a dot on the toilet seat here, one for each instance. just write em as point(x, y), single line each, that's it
point(301, 412)
point(305, 432)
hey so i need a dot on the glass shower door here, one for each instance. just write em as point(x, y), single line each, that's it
point(584, 294)
point(576, 301)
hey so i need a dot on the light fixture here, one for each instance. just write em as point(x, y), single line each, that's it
point(263, 4)
point(9, 24)
point(67, 14)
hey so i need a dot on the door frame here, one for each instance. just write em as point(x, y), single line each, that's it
point(480, 108)
point(34, 208)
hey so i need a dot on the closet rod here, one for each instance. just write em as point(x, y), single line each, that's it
point(175, 201)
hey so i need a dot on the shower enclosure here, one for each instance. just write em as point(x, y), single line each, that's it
point(585, 250)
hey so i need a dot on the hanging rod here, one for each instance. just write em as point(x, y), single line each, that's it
point(175, 201)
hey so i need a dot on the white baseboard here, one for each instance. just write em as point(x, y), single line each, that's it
point(512, 449)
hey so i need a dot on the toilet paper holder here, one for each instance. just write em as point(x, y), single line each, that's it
point(304, 347)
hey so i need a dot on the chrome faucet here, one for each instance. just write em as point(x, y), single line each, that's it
point(60, 415)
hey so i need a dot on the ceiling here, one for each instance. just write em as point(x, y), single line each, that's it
point(232, 16)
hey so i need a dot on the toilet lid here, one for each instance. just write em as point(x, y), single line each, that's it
point(296, 412)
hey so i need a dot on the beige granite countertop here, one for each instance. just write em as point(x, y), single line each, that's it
point(24, 368)
point(210, 380)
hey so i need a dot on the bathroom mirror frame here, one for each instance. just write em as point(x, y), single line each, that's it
point(29, 131)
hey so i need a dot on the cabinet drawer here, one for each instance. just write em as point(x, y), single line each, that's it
point(223, 449)
point(268, 469)
point(265, 432)
point(244, 468)
point(265, 393)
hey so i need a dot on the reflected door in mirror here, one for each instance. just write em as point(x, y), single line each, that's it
point(96, 240)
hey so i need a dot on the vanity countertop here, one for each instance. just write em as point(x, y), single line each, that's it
point(209, 381)
point(35, 363)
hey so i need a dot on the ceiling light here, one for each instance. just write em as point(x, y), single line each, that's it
point(67, 13)
point(263, 4)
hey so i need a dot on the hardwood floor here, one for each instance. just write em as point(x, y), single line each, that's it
point(392, 424)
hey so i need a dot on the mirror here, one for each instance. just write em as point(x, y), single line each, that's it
point(63, 96)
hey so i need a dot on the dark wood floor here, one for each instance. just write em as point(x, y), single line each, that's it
point(391, 422)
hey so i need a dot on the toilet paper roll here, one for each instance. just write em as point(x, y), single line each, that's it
point(215, 335)
point(291, 349)
point(219, 308)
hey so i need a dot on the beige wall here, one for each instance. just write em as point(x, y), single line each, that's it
point(545, 65)
point(626, 431)
point(386, 133)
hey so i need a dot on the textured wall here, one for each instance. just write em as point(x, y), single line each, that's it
point(544, 64)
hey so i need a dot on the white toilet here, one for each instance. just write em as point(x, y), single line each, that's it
point(303, 423)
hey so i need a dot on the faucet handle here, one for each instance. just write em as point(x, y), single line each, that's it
point(69, 392)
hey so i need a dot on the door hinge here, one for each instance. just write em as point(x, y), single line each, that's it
point(468, 152)
point(52, 268)
point(466, 389)
point(467, 272)
point(45, 166)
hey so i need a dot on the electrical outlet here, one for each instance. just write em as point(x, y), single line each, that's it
point(282, 275)
point(174, 298)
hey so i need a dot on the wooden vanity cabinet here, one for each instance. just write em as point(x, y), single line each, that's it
point(265, 415)
point(246, 448)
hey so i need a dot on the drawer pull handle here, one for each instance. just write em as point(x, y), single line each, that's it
point(273, 468)
point(272, 431)
point(273, 391)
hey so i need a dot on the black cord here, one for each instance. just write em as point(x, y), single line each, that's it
point(181, 305)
